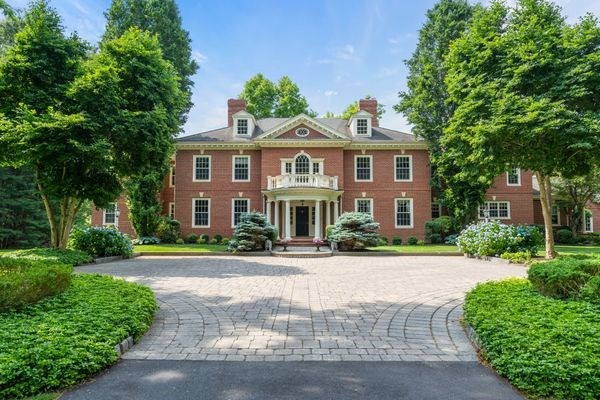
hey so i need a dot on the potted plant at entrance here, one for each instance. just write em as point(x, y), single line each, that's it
point(318, 242)
point(284, 243)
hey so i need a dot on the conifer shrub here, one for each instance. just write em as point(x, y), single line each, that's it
point(251, 233)
point(355, 231)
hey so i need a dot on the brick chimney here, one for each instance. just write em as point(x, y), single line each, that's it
point(370, 106)
point(234, 106)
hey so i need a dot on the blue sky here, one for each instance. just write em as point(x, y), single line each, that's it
point(337, 51)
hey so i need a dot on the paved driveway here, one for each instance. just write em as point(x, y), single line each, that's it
point(332, 309)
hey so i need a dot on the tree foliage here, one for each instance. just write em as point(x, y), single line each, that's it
point(574, 194)
point(266, 99)
point(9, 25)
point(427, 107)
point(88, 124)
point(143, 203)
point(526, 90)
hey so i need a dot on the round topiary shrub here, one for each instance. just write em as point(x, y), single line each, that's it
point(436, 238)
point(564, 236)
point(192, 238)
point(412, 240)
point(355, 231)
point(218, 238)
point(397, 241)
point(24, 281)
point(101, 242)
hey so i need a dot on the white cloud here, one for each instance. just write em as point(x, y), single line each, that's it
point(199, 57)
point(346, 53)
point(329, 93)
point(386, 72)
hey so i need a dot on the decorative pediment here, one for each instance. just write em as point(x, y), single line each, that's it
point(299, 120)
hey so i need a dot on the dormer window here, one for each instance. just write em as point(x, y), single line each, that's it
point(242, 127)
point(362, 126)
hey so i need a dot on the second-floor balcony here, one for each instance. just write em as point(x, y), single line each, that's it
point(299, 181)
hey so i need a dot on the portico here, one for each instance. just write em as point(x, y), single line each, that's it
point(302, 212)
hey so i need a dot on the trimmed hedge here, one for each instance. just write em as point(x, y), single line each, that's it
point(563, 278)
point(62, 340)
point(24, 282)
point(546, 347)
point(61, 256)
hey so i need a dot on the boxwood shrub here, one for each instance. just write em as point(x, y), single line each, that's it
point(563, 278)
point(546, 347)
point(101, 242)
point(62, 340)
point(24, 281)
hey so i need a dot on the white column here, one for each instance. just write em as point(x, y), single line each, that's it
point(327, 213)
point(269, 211)
point(317, 219)
point(277, 219)
point(336, 210)
point(288, 226)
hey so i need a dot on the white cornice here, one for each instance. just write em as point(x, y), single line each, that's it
point(346, 144)
point(387, 146)
point(215, 145)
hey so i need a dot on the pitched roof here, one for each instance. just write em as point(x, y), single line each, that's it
point(339, 125)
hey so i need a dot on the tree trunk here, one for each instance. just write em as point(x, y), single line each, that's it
point(546, 201)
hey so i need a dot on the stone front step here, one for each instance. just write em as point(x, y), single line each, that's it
point(302, 252)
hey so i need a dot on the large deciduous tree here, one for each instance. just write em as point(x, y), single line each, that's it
point(83, 126)
point(266, 99)
point(426, 106)
point(527, 90)
point(159, 17)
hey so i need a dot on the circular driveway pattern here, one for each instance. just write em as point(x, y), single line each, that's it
point(284, 309)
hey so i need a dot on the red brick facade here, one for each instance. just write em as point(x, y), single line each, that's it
point(335, 148)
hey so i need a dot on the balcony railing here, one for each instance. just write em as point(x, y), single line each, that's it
point(309, 181)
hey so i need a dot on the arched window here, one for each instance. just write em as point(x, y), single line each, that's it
point(302, 165)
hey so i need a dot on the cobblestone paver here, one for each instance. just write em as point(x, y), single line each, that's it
point(332, 309)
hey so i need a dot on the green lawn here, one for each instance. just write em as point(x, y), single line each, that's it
point(428, 248)
point(172, 248)
point(566, 250)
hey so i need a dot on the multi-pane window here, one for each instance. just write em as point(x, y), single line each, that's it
point(363, 168)
point(588, 223)
point(172, 178)
point(288, 167)
point(202, 168)
point(404, 211)
point(241, 168)
point(302, 165)
point(314, 212)
point(242, 127)
point(172, 210)
point(555, 215)
point(495, 209)
point(513, 177)
point(316, 168)
point(362, 127)
point(201, 213)
point(364, 206)
point(110, 214)
point(436, 210)
point(403, 169)
point(240, 207)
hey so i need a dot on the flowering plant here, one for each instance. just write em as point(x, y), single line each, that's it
point(494, 238)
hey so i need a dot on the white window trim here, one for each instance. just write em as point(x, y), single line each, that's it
point(366, 127)
point(233, 168)
point(508, 175)
point(209, 168)
point(370, 200)
point(172, 210)
point(236, 130)
point(104, 216)
point(171, 170)
point(558, 214)
point(233, 208)
point(591, 230)
point(356, 156)
point(497, 201)
point(410, 164)
point(194, 212)
point(412, 213)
